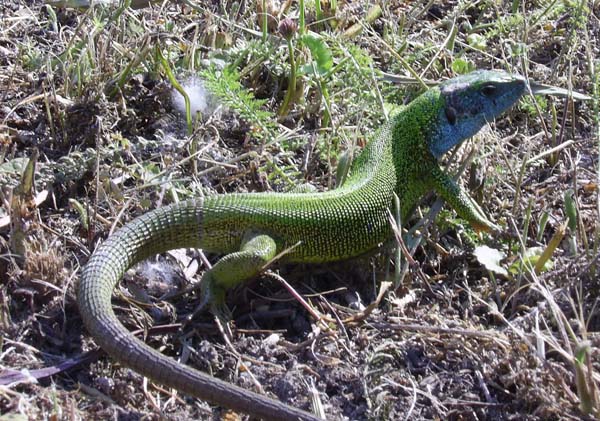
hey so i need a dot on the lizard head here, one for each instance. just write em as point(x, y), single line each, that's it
point(468, 102)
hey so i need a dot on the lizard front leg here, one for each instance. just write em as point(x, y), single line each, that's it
point(460, 201)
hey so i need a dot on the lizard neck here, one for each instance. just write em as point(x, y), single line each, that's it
point(411, 133)
point(399, 156)
point(403, 154)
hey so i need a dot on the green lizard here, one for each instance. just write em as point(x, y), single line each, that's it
point(252, 228)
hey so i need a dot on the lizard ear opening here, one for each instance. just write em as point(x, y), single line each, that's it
point(450, 115)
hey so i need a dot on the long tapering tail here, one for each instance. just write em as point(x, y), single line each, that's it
point(175, 226)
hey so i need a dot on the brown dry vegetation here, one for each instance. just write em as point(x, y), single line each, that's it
point(86, 89)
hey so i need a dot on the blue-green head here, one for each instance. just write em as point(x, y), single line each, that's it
point(468, 102)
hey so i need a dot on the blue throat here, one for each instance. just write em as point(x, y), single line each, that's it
point(445, 136)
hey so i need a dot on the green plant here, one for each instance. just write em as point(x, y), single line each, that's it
point(167, 68)
point(587, 389)
point(572, 216)
point(320, 68)
point(226, 86)
point(288, 29)
point(528, 105)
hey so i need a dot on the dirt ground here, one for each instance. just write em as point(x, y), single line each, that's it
point(85, 89)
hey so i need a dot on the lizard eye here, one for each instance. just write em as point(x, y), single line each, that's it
point(488, 90)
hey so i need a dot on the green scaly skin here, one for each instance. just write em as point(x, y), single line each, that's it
point(250, 229)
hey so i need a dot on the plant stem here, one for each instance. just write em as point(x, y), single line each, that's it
point(318, 12)
point(291, 91)
point(264, 21)
point(302, 23)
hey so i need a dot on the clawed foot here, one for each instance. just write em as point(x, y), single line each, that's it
point(212, 297)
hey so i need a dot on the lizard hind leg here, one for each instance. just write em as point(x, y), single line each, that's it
point(256, 251)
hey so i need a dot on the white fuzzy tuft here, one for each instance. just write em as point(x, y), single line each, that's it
point(199, 97)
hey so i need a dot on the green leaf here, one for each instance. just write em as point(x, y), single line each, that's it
point(531, 257)
point(461, 66)
point(81, 210)
point(14, 167)
point(320, 52)
point(477, 41)
point(571, 209)
point(490, 258)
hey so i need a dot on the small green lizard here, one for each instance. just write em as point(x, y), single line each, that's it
point(251, 229)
